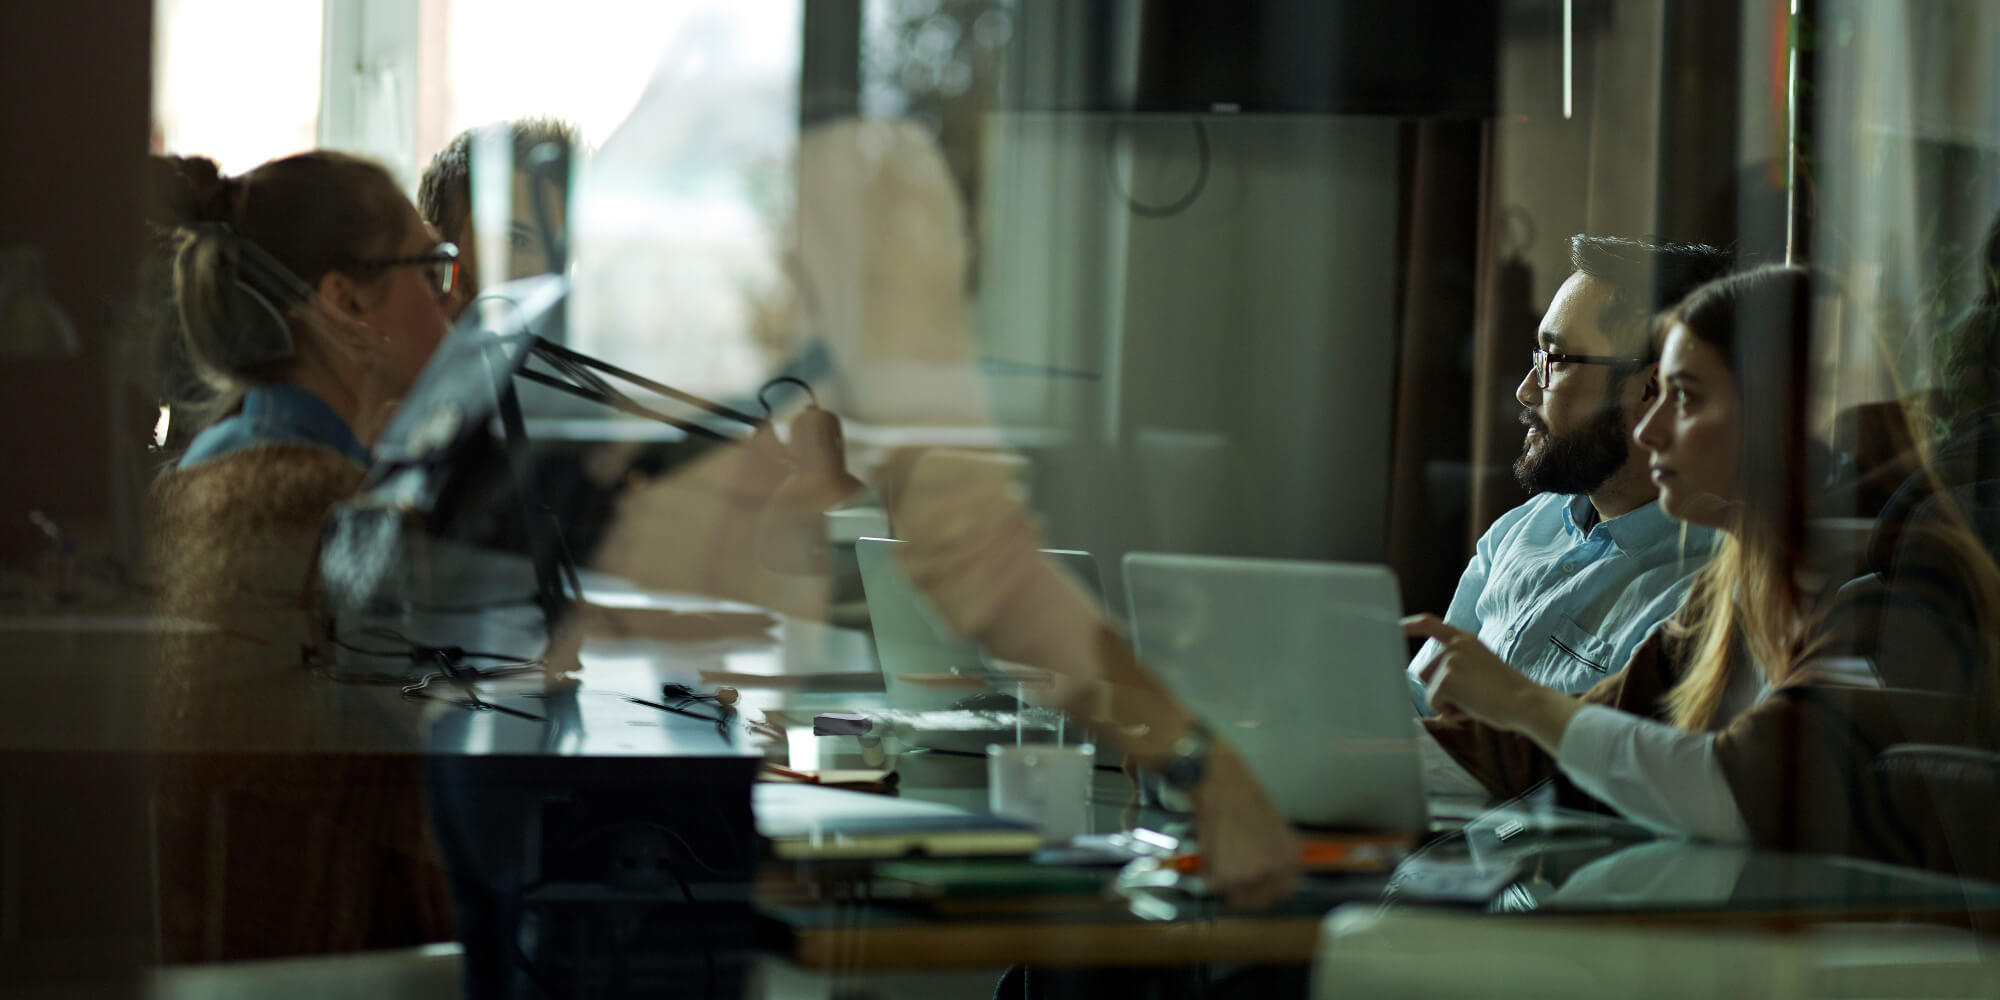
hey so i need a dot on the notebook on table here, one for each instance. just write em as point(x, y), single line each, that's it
point(808, 822)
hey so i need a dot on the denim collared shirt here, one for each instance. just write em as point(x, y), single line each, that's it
point(1565, 605)
point(275, 413)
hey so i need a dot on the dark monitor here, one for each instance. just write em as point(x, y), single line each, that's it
point(1405, 58)
point(456, 461)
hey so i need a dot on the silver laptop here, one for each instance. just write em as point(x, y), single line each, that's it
point(926, 666)
point(1299, 665)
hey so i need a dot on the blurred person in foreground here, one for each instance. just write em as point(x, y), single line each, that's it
point(1757, 714)
point(974, 551)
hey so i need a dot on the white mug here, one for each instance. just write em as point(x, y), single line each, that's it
point(1042, 784)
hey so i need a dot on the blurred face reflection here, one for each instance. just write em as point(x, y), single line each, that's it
point(527, 242)
point(1576, 437)
point(1691, 431)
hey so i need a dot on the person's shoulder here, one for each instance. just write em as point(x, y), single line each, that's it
point(231, 434)
point(1541, 516)
point(260, 484)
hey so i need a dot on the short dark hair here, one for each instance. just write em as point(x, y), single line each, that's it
point(444, 196)
point(1645, 277)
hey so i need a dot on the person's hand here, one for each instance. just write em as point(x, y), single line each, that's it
point(791, 532)
point(1465, 679)
point(1250, 856)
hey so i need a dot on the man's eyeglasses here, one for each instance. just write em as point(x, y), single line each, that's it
point(1543, 359)
point(440, 266)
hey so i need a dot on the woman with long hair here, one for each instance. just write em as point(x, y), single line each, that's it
point(1759, 712)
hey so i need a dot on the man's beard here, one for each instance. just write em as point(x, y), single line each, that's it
point(1575, 462)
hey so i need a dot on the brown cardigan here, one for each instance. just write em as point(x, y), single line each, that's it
point(257, 859)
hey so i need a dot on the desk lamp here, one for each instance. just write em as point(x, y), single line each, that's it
point(441, 472)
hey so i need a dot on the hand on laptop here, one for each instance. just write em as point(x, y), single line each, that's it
point(1467, 680)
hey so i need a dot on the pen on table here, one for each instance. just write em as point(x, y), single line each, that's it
point(786, 772)
point(1322, 854)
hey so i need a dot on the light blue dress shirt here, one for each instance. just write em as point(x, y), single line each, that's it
point(1567, 606)
point(275, 413)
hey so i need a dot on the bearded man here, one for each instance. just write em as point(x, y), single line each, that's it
point(1565, 586)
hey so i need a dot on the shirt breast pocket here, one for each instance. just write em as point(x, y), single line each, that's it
point(1580, 657)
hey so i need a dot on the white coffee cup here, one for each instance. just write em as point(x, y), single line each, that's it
point(1044, 785)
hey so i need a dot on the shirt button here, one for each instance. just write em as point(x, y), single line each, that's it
point(1569, 567)
point(1509, 635)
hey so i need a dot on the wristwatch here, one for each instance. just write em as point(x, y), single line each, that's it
point(1189, 763)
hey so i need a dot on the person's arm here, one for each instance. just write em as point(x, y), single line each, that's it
point(1653, 773)
point(1467, 680)
point(1463, 611)
point(974, 551)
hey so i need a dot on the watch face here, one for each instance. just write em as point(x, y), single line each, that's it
point(1184, 772)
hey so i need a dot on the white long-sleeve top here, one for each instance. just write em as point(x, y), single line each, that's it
point(1653, 773)
point(1656, 775)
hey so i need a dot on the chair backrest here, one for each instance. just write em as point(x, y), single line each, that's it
point(1959, 789)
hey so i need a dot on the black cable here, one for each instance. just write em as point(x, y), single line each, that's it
point(621, 404)
point(448, 659)
point(721, 721)
point(417, 652)
point(793, 380)
point(1178, 205)
point(418, 687)
point(547, 349)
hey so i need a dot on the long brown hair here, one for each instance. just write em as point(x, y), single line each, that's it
point(1760, 321)
point(1748, 600)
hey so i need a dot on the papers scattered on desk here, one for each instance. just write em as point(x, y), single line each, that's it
point(813, 822)
point(966, 836)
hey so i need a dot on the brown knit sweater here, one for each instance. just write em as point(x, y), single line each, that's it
point(274, 838)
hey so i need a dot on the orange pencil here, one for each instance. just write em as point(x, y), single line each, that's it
point(785, 772)
point(1352, 853)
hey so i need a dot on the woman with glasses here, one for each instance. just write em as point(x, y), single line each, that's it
point(308, 295)
point(1762, 712)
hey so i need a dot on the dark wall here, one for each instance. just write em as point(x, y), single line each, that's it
point(75, 108)
point(75, 115)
